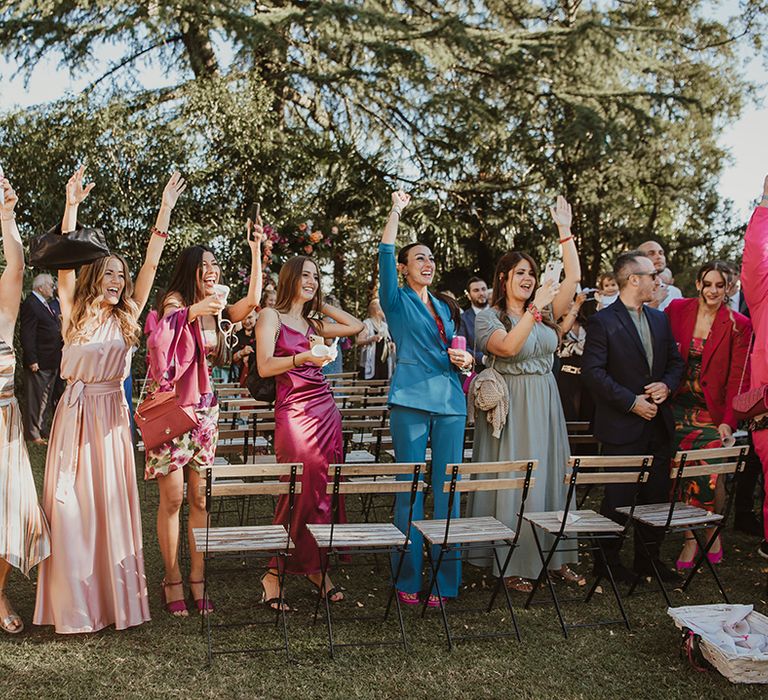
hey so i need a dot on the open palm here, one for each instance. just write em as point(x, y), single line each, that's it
point(76, 192)
point(561, 213)
point(176, 185)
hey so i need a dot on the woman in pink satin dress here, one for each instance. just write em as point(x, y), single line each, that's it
point(95, 574)
point(307, 421)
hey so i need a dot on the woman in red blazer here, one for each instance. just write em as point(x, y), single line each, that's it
point(714, 342)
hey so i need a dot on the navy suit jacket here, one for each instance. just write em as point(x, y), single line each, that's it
point(424, 377)
point(467, 329)
point(40, 333)
point(614, 367)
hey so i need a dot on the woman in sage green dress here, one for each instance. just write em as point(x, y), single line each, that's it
point(519, 336)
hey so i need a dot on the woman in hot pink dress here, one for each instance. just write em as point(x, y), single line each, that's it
point(95, 574)
point(307, 422)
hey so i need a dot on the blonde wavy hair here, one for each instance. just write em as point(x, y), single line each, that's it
point(87, 308)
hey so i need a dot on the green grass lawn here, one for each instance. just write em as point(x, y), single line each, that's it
point(165, 658)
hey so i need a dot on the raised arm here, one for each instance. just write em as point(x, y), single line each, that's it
point(387, 264)
point(346, 324)
point(13, 276)
point(76, 194)
point(146, 277)
point(561, 213)
point(268, 365)
point(242, 307)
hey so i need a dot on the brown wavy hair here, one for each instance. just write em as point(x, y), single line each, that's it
point(726, 272)
point(87, 306)
point(507, 263)
point(288, 284)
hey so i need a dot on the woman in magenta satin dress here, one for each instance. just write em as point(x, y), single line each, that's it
point(307, 421)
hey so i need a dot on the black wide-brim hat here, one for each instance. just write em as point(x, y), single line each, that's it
point(56, 251)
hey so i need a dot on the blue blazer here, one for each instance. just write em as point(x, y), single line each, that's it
point(614, 367)
point(424, 377)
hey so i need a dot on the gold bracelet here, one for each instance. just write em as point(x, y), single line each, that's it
point(293, 360)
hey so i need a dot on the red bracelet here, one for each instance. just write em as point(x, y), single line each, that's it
point(154, 231)
point(565, 240)
point(535, 313)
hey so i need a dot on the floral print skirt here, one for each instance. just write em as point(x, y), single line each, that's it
point(194, 449)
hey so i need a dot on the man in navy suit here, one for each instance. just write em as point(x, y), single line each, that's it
point(631, 365)
point(41, 343)
point(477, 293)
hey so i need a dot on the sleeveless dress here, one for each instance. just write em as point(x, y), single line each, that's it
point(307, 430)
point(95, 574)
point(535, 429)
point(24, 535)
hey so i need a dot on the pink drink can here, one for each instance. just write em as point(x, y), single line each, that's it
point(459, 342)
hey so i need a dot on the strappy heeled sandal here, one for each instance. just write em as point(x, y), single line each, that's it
point(203, 605)
point(11, 620)
point(177, 608)
point(329, 594)
point(516, 583)
point(276, 602)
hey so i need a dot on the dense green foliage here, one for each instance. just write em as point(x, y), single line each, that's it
point(483, 109)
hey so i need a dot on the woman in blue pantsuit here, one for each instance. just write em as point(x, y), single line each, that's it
point(425, 398)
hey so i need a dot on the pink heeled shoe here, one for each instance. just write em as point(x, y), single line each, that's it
point(408, 598)
point(177, 608)
point(683, 564)
point(202, 605)
point(717, 557)
point(434, 601)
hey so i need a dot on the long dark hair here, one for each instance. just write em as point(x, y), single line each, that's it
point(288, 284)
point(184, 283)
point(507, 263)
point(453, 307)
point(726, 272)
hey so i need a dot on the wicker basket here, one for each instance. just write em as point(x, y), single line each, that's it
point(736, 669)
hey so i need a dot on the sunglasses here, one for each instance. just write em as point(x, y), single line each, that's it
point(652, 275)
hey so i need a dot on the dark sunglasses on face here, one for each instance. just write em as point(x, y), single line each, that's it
point(652, 275)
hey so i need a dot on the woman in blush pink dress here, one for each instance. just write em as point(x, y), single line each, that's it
point(95, 574)
point(24, 539)
point(307, 422)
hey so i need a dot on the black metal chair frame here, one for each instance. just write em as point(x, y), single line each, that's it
point(682, 458)
point(456, 550)
point(373, 470)
point(282, 553)
point(595, 541)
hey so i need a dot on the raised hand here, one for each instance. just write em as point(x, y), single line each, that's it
point(76, 193)
point(9, 199)
point(209, 306)
point(176, 185)
point(254, 231)
point(400, 200)
point(561, 213)
point(545, 294)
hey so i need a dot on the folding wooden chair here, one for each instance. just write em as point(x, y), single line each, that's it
point(573, 524)
point(261, 540)
point(676, 517)
point(347, 539)
point(457, 535)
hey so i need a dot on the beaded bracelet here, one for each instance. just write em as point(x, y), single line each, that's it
point(154, 231)
point(535, 313)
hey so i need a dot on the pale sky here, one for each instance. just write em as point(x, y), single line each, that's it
point(741, 180)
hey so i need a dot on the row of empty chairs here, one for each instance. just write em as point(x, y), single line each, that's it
point(454, 537)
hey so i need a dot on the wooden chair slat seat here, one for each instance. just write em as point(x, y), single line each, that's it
point(684, 515)
point(482, 529)
point(256, 538)
point(358, 535)
point(584, 521)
